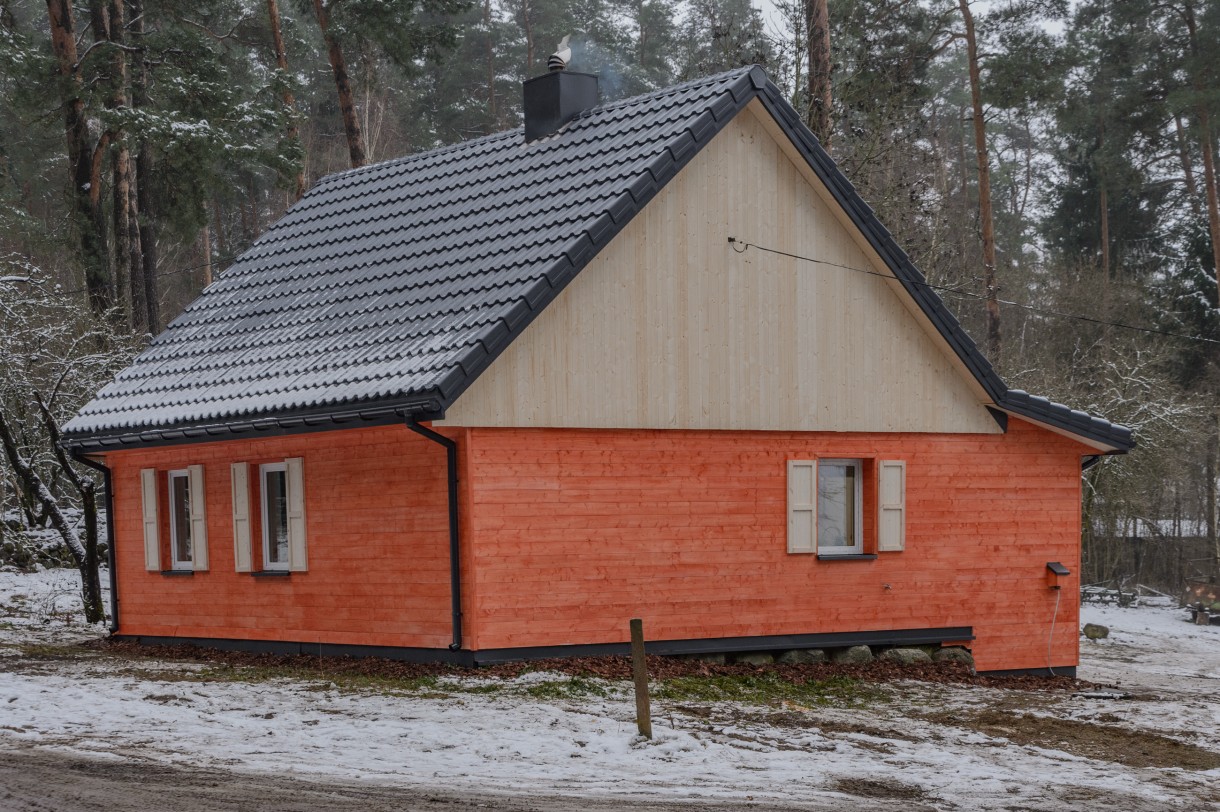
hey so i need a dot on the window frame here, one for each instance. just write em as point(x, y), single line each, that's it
point(265, 515)
point(176, 563)
point(857, 548)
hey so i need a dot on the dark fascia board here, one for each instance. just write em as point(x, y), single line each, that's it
point(1071, 420)
point(268, 424)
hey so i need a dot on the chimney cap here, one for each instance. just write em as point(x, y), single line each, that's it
point(563, 55)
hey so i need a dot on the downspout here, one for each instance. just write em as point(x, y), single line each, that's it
point(107, 481)
point(455, 568)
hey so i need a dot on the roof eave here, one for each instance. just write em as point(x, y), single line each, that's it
point(269, 424)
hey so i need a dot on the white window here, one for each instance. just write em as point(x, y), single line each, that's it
point(273, 483)
point(180, 519)
point(826, 507)
point(840, 507)
point(187, 522)
point(279, 492)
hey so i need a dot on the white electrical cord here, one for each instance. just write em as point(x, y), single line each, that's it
point(1050, 640)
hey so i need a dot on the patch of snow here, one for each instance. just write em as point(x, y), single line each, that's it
point(514, 743)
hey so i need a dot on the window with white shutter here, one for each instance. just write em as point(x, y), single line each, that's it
point(281, 503)
point(181, 548)
point(840, 500)
point(273, 491)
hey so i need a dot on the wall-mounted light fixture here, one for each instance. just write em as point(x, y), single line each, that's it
point(1054, 572)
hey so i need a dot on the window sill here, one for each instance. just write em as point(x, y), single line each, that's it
point(848, 557)
point(177, 572)
point(270, 573)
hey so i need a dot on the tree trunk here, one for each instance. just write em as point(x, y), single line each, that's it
point(527, 25)
point(1104, 206)
point(120, 215)
point(290, 104)
point(128, 263)
point(146, 220)
point(86, 201)
point(347, 105)
point(205, 248)
point(817, 24)
point(91, 583)
point(135, 259)
point(219, 232)
point(1212, 485)
point(1188, 170)
point(986, 222)
point(490, 55)
point(31, 482)
point(1206, 146)
point(148, 237)
point(1088, 540)
point(1209, 180)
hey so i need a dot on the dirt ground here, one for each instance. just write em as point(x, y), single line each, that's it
point(50, 781)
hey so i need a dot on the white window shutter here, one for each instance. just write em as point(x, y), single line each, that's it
point(892, 506)
point(199, 522)
point(152, 538)
point(802, 506)
point(241, 517)
point(297, 548)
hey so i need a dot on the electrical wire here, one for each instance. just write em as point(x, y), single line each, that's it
point(968, 294)
point(1051, 638)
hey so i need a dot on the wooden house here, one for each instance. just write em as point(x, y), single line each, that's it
point(653, 358)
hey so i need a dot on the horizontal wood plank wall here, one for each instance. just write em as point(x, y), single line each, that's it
point(670, 327)
point(577, 531)
point(377, 528)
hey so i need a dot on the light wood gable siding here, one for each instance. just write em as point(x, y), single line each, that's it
point(669, 327)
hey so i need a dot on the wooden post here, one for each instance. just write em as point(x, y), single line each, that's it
point(639, 670)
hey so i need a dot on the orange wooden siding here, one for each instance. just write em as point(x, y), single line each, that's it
point(378, 541)
point(577, 531)
point(569, 533)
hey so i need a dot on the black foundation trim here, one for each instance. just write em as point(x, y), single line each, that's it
point(1057, 671)
point(894, 637)
point(405, 654)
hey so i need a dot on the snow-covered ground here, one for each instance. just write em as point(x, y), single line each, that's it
point(931, 745)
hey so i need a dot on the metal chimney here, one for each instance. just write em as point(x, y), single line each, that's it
point(557, 97)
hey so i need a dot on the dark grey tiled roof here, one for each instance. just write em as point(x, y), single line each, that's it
point(388, 289)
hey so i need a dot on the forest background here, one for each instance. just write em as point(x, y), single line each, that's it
point(1050, 165)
